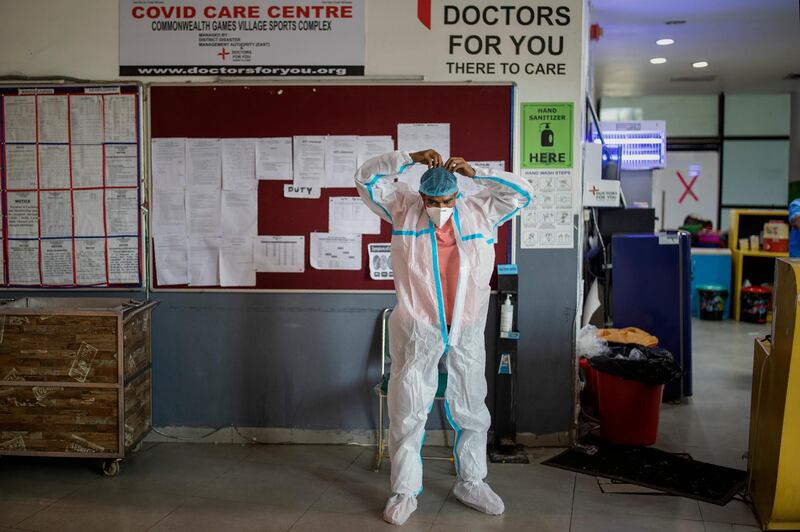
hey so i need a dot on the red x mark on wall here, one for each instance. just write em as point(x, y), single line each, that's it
point(687, 187)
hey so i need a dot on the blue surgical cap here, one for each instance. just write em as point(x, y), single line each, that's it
point(437, 181)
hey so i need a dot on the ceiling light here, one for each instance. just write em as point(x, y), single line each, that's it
point(665, 42)
point(700, 64)
point(658, 60)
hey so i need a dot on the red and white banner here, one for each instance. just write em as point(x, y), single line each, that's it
point(251, 38)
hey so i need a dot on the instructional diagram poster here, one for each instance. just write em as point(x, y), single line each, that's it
point(547, 163)
point(227, 38)
point(71, 173)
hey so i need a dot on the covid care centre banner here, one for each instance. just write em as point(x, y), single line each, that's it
point(256, 38)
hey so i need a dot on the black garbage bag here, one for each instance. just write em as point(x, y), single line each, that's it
point(650, 365)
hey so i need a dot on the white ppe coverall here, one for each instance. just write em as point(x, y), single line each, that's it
point(418, 333)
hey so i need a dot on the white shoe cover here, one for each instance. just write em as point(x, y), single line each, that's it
point(479, 495)
point(399, 508)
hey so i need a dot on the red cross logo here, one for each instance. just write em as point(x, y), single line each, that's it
point(594, 190)
point(223, 54)
point(687, 187)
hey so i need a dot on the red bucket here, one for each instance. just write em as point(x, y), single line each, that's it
point(590, 390)
point(756, 301)
point(629, 410)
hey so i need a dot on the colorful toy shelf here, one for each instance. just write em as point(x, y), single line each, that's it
point(756, 266)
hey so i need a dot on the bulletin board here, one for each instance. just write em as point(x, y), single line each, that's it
point(480, 118)
point(71, 172)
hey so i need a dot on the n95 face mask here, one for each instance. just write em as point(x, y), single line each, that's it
point(439, 215)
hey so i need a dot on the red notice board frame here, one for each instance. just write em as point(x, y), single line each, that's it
point(481, 126)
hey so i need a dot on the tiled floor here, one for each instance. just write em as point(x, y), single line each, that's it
point(194, 487)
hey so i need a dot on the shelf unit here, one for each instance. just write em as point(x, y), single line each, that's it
point(744, 223)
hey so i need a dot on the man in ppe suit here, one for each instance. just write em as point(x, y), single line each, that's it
point(443, 259)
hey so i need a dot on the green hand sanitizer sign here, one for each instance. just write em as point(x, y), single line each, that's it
point(546, 135)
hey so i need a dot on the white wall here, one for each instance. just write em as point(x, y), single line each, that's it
point(75, 38)
point(79, 39)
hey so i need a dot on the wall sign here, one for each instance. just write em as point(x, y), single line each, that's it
point(263, 38)
point(546, 162)
point(484, 39)
point(546, 135)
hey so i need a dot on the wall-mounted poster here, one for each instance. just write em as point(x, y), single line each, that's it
point(547, 163)
point(265, 38)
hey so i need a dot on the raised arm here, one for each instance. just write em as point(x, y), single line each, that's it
point(503, 194)
point(377, 185)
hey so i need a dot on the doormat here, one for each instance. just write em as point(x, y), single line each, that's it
point(676, 474)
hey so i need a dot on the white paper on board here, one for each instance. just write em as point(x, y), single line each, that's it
point(123, 260)
point(122, 212)
point(203, 212)
point(417, 137)
point(239, 213)
point(280, 253)
point(51, 114)
point(122, 165)
point(169, 212)
point(468, 186)
point(380, 262)
point(239, 164)
point(19, 117)
point(120, 117)
point(340, 161)
point(86, 119)
point(203, 163)
point(493, 167)
point(169, 163)
point(57, 262)
point(20, 167)
point(23, 262)
point(236, 265)
point(53, 166)
point(204, 261)
point(274, 159)
point(372, 146)
point(56, 214)
point(309, 160)
point(88, 205)
point(349, 215)
point(90, 261)
point(172, 265)
point(87, 166)
point(335, 252)
point(23, 214)
point(301, 192)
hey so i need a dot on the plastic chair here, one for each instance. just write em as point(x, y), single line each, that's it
point(382, 388)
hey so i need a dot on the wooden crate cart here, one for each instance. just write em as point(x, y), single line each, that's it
point(75, 377)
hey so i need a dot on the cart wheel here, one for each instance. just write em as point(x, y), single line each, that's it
point(111, 468)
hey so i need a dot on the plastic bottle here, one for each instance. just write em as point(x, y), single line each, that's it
point(506, 315)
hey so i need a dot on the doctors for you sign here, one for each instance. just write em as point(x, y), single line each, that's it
point(507, 39)
point(250, 38)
